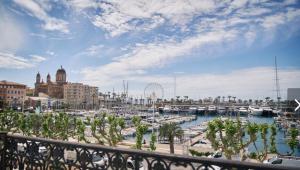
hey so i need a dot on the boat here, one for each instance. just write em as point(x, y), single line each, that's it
point(255, 111)
point(221, 110)
point(192, 110)
point(167, 109)
point(201, 109)
point(175, 109)
point(212, 109)
point(243, 111)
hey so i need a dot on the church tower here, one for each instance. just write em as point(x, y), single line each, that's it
point(48, 78)
point(38, 78)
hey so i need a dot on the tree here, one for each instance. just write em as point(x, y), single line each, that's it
point(229, 97)
point(115, 126)
point(35, 123)
point(169, 131)
point(273, 148)
point(108, 129)
point(152, 142)
point(293, 142)
point(80, 131)
point(141, 129)
point(229, 139)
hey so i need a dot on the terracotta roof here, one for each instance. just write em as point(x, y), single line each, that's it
point(4, 82)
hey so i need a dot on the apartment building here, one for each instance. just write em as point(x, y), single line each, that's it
point(11, 94)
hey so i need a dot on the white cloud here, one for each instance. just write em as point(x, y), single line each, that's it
point(118, 17)
point(40, 11)
point(93, 50)
point(12, 61)
point(37, 58)
point(250, 83)
point(155, 55)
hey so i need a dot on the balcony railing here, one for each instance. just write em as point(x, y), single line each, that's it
point(20, 152)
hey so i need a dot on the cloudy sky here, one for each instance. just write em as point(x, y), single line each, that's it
point(213, 47)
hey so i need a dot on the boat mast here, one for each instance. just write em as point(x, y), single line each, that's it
point(277, 84)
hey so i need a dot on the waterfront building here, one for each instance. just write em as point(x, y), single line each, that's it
point(11, 94)
point(293, 93)
point(78, 95)
point(52, 89)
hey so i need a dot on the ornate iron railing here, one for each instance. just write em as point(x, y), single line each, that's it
point(20, 152)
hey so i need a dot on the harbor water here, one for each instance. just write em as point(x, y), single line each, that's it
point(282, 146)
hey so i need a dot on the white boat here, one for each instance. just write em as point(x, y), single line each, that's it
point(267, 108)
point(192, 109)
point(243, 111)
point(255, 111)
point(221, 110)
point(212, 108)
point(176, 109)
point(167, 109)
point(201, 109)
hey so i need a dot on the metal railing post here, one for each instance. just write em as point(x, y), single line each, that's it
point(3, 147)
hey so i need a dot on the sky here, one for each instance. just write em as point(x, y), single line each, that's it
point(212, 47)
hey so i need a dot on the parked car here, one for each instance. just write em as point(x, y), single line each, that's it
point(131, 164)
point(216, 155)
point(274, 160)
point(99, 160)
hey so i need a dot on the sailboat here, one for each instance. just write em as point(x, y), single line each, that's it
point(277, 111)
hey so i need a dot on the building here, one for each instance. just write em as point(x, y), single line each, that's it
point(80, 96)
point(293, 93)
point(52, 89)
point(29, 91)
point(12, 94)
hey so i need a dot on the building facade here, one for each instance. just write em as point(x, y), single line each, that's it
point(80, 96)
point(52, 89)
point(293, 93)
point(12, 94)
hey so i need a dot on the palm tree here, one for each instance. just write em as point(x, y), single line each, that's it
point(169, 131)
point(233, 99)
point(267, 99)
point(229, 98)
point(219, 99)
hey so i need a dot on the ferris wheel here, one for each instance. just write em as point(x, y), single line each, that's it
point(154, 91)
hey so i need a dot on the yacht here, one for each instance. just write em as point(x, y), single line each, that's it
point(255, 111)
point(193, 110)
point(212, 109)
point(243, 111)
point(175, 109)
point(267, 108)
point(221, 110)
point(201, 109)
point(167, 109)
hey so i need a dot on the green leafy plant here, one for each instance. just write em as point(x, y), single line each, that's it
point(169, 131)
point(152, 142)
point(140, 131)
point(293, 142)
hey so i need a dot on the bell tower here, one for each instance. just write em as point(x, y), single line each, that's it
point(38, 78)
point(48, 78)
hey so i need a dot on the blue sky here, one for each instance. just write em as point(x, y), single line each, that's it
point(215, 48)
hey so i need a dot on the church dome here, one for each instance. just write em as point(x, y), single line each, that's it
point(61, 71)
point(61, 75)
